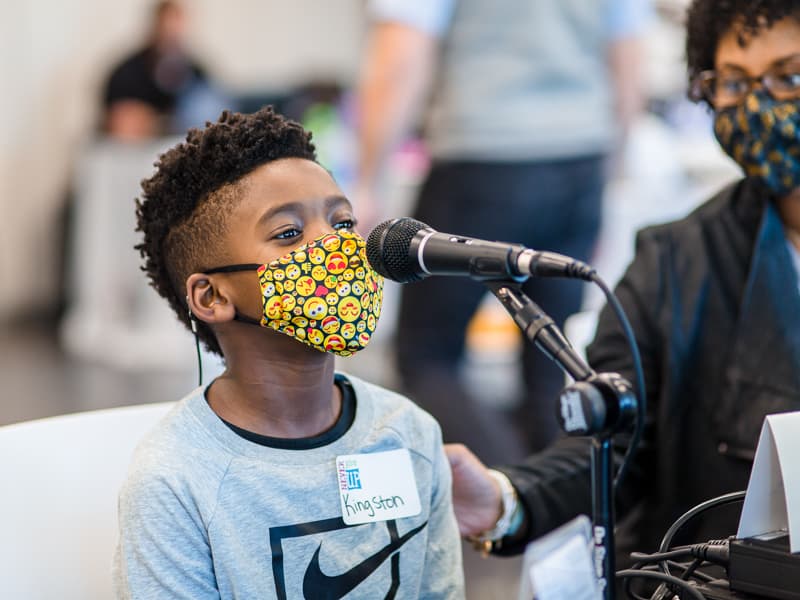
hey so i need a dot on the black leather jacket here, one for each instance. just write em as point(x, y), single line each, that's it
point(713, 300)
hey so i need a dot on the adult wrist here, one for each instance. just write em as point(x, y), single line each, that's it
point(511, 516)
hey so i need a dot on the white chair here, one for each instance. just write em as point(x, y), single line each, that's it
point(58, 500)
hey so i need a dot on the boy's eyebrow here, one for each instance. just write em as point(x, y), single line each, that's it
point(332, 201)
point(280, 208)
point(297, 207)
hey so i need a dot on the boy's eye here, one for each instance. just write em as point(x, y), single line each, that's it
point(345, 224)
point(288, 234)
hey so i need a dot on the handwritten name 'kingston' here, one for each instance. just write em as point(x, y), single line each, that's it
point(371, 506)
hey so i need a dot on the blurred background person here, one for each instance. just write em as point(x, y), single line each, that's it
point(523, 103)
point(153, 91)
point(714, 302)
point(156, 92)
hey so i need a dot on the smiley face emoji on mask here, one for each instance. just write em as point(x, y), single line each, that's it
point(334, 343)
point(330, 281)
point(314, 336)
point(273, 309)
point(330, 324)
point(348, 275)
point(292, 271)
point(314, 308)
point(305, 286)
point(316, 255)
point(349, 309)
point(343, 288)
point(336, 263)
point(301, 322)
point(358, 288)
point(349, 247)
point(288, 302)
point(330, 242)
point(268, 290)
point(332, 298)
point(319, 273)
point(348, 331)
point(278, 325)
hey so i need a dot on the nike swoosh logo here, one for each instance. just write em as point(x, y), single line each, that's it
point(317, 584)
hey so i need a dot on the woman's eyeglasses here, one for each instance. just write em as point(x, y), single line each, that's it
point(729, 87)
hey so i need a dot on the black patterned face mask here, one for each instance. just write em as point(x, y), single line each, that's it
point(763, 136)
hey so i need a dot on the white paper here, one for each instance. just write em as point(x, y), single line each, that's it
point(559, 565)
point(772, 501)
point(377, 487)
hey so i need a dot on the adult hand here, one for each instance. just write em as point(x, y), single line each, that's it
point(477, 499)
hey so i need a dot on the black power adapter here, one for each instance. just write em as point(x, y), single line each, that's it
point(764, 565)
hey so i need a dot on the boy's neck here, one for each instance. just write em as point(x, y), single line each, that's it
point(287, 396)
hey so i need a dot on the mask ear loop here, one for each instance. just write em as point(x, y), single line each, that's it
point(193, 324)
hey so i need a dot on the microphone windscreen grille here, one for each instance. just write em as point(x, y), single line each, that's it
point(388, 248)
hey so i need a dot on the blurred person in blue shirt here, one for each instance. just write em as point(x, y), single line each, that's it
point(524, 102)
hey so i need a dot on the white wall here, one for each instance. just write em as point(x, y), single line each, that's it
point(54, 55)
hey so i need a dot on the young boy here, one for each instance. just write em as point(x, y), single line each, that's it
point(280, 479)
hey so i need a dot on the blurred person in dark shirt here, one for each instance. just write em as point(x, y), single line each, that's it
point(146, 92)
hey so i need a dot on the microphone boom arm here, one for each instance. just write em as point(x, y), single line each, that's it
point(597, 404)
point(540, 329)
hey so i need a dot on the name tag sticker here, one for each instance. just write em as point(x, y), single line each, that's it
point(377, 487)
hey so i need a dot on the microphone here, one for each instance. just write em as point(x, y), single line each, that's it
point(406, 250)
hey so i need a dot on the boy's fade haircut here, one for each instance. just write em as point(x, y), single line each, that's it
point(707, 21)
point(184, 206)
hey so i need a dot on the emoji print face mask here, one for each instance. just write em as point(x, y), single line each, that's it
point(323, 293)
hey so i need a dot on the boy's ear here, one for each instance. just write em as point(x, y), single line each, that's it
point(208, 302)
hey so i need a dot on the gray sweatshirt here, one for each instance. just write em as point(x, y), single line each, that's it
point(205, 513)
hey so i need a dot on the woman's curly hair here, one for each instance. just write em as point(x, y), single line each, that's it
point(184, 206)
point(709, 20)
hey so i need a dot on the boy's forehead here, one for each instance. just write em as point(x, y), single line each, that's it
point(286, 180)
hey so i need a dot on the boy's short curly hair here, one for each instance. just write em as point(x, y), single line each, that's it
point(709, 20)
point(184, 206)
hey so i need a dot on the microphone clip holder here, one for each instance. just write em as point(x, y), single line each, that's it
point(595, 404)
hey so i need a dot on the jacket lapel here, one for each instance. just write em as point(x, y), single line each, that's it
point(763, 375)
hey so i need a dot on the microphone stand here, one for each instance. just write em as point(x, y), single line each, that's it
point(596, 405)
